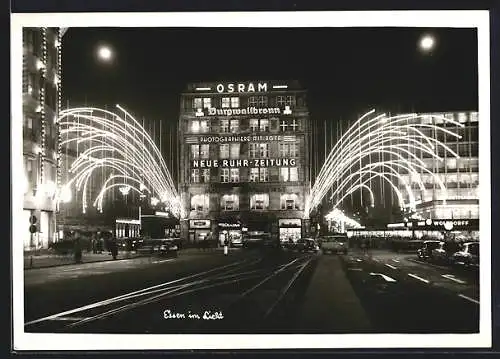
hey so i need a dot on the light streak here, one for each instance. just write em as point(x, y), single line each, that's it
point(397, 142)
point(120, 146)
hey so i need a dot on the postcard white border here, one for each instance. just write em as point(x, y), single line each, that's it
point(457, 19)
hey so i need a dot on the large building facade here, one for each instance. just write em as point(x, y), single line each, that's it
point(244, 160)
point(41, 103)
point(460, 176)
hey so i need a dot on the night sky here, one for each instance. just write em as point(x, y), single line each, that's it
point(346, 71)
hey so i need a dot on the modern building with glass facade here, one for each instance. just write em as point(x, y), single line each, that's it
point(41, 145)
point(244, 163)
point(460, 175)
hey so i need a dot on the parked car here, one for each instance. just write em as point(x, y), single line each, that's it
point(444, 253)
point(426, 251)
point(307, 245)
point(334, 244)
point(468, 255)
point(161, 246)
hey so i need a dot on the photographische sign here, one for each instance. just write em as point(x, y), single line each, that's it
point(224, 139)
point(254, 162)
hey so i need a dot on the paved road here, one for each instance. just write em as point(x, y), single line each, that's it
point(253, 292)
point(403, 295)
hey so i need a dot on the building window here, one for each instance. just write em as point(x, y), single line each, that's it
point(263, 150)
point(30, 171)
point(283, 126)
point(207, 102)
point(197, 103)
point(195, 175)
point(263, 174)
point(234, 151)
point(230, 202)
point(289, 174)
point(199, 151)
point(204, 126)
point(235, 175)
point(289, 201)
point(257, 101)
point(254, 124)
point(235, 102)
point(205, 175)
point(200, 126)
point(200, 202)
point(462, 117)
point(254, 174)
point(234, 126)
point(253, 150)
point(224, 150)
point(288, 149)
point(285, 101)
point(264, 125)
point(224, 126)
point(224, 175)
point(473, 117)
point(259, 201)
point(226, 102)
point(294, 125)
point(28, 122)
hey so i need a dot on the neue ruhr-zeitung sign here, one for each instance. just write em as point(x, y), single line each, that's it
point(269, 162)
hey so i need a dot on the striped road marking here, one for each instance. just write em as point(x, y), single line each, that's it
point(419, 278)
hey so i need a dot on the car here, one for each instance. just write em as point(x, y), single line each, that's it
point(334, 244)
point(307, 245)
point(444, 253)
point(160, 246)
point(425, 252)
point(467, 256)
point(236, 242)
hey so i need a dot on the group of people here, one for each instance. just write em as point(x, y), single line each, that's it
point(98, 245)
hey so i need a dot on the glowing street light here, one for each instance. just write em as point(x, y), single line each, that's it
point(427, 43)
point(104, 53)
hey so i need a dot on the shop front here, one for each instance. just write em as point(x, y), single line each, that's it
point(230, 231)
point(290, 229)
point(199, 230)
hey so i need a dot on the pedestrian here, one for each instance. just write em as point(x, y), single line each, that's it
point(226, 243)
point(114, 248)
point(77, 249)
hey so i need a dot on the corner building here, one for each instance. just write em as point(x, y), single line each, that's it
point(244, 160)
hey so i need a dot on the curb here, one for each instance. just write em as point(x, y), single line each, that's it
point(83, 262)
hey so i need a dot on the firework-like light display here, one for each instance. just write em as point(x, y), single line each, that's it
point(119, 144)
point(398, 142)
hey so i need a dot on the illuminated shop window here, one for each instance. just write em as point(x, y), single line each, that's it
point(230, 202)
point(224, 175)
point(224, 150)
point(259, 201)
point(289, 201)
point(257, 101)
point(224, 126)
point(207, 102)
point(200, 202)
point(264, 125)
point(234, 152)
point(234, 126)
point(235, 175)
point(289, 174)
point(473, 117)
point(195, 175)
point(282, 101)
point(254, 124)
point(462, 117)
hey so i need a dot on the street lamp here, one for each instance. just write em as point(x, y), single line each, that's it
point(104, 53)
point(427, 43)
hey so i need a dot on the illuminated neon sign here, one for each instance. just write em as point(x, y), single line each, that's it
point(242, 87)
point(271, 162)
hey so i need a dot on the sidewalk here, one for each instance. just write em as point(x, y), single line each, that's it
point(33, 260)
point(330, 304)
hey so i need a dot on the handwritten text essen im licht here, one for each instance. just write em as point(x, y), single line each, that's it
point(206, 315)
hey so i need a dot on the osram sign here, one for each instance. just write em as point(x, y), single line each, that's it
point(242, 87)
